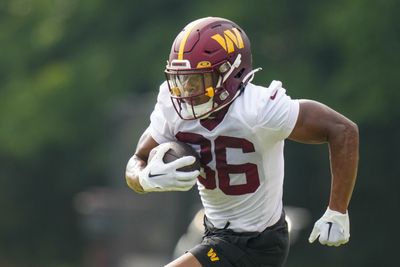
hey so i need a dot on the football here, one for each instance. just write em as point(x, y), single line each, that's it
point(178, 150)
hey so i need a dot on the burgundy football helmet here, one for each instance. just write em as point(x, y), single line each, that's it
point(209, 64)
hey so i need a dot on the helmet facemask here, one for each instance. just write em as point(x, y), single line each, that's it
point(192, 92)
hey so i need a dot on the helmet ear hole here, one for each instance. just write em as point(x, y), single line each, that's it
point(239, 74)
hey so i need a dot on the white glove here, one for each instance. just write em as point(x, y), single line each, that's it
point(333, 229)
point(158, 176)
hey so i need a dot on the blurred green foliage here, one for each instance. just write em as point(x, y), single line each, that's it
point(65, 65)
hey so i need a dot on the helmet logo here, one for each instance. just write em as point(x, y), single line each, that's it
point(230, 39)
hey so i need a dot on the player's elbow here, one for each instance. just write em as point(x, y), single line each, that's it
point(345, 133)
point(351, 131)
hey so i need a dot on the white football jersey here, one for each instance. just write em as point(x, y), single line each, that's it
point(241, 152)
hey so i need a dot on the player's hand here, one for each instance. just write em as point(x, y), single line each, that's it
point(333, 229)
point(158, 176)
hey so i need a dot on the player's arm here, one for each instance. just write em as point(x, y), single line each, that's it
point(316, 124)
point(139, 161)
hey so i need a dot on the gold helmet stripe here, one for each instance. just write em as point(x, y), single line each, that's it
point(188, 30)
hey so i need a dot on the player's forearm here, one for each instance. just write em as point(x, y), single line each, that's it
point(134, 166)
point(343, 148)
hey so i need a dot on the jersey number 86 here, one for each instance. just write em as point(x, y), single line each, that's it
point(221, 143)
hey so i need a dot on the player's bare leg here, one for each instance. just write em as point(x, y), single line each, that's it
point(186, 260)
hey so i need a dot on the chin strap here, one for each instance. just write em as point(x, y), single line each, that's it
point(235, 64)
point(249, 77)
point(225, 76)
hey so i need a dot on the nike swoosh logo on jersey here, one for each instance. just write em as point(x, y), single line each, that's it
point(155, 175)
point(274, 95)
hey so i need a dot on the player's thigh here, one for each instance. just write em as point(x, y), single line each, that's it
point(186, 260)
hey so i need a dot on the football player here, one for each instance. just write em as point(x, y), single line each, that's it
point(239, 128)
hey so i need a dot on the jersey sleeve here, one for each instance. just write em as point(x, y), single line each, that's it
point(277, 112)
point(160, 128)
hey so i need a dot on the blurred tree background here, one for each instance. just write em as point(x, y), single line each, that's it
point(78, 80)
